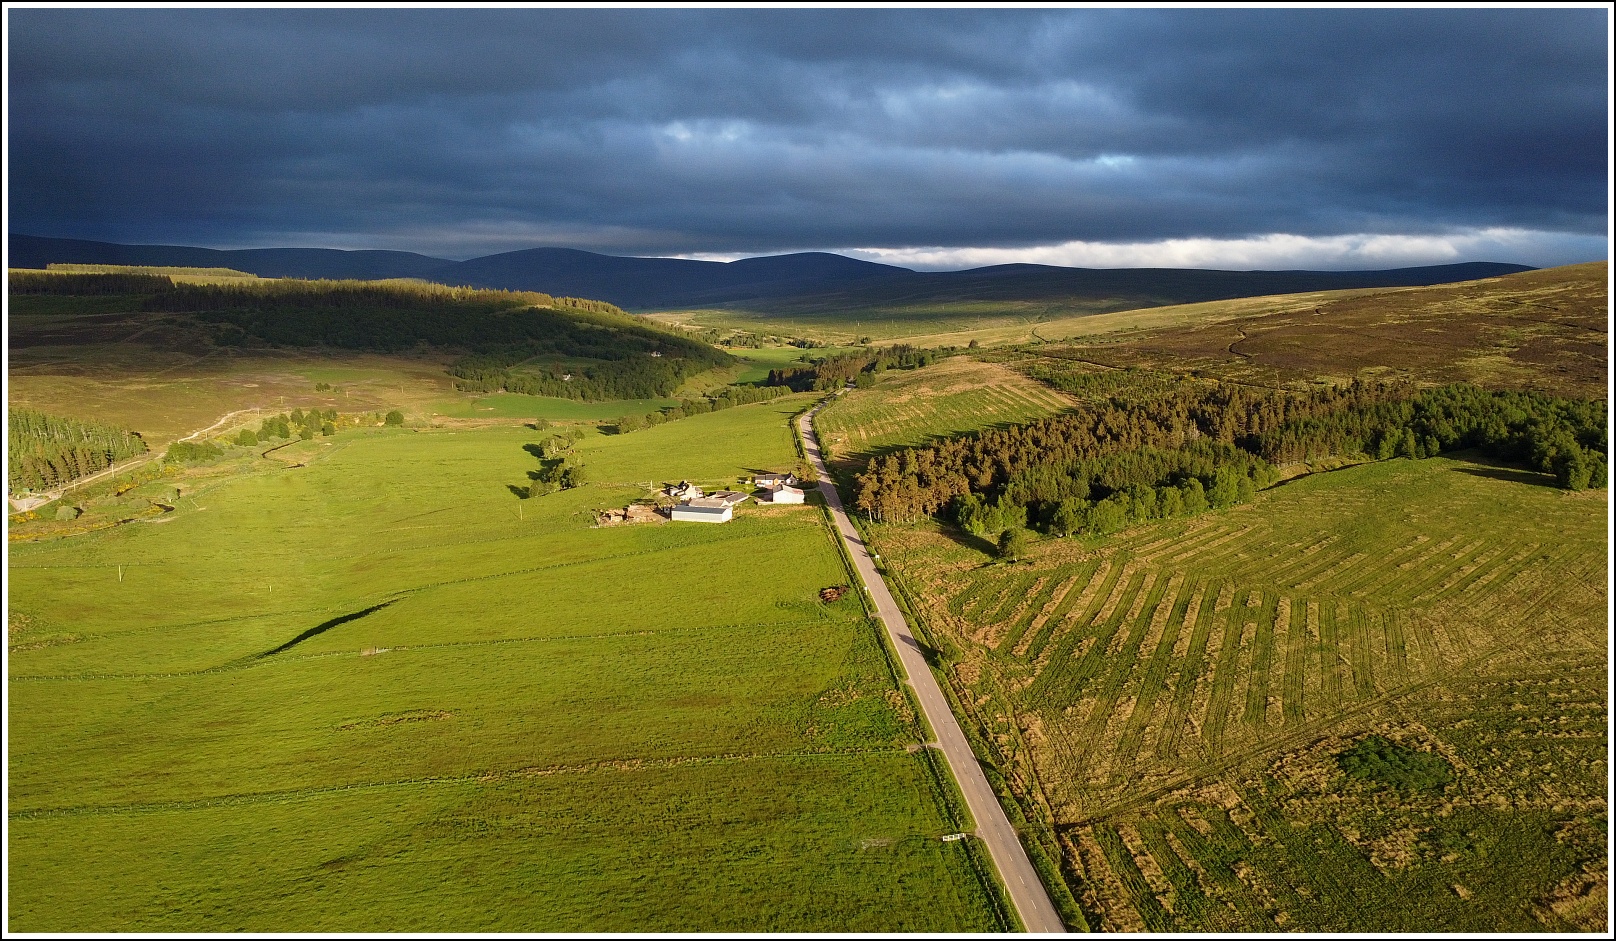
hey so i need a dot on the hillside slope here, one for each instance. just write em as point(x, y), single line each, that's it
point(803, 284)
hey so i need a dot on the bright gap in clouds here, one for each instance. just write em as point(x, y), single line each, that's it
point(1276, 251)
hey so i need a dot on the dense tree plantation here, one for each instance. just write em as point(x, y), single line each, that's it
point(39, 282)
point(46, 451)
point(1110, 464)
point(833, 372)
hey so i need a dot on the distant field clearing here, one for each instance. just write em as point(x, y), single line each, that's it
point(955, 396)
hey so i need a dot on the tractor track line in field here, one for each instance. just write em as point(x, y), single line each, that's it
point(256, 661)
point(1312, 730)
point(476, 777)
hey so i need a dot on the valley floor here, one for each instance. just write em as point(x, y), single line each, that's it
point(363, 693)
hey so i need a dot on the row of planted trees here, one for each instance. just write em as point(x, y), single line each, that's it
point(1203, 446)
point(728, 397)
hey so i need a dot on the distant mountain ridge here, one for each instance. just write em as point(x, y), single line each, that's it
point(799, 281)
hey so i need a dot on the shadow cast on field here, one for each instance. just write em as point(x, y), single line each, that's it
point(969, 540)
point(1510, 474)
point(323, 627)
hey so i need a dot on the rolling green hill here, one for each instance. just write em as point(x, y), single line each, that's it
point(518, 341)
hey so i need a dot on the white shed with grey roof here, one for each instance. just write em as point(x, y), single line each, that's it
point(693, 513)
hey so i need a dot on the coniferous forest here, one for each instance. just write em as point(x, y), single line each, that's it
point(1103, 466)
point(46, 451)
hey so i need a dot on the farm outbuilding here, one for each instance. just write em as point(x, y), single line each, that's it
point(784, 494)
point(703, 511)
point(685, 490)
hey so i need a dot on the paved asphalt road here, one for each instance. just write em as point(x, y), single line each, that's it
point(992, 826)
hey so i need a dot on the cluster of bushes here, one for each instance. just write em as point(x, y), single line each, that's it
point(298, 424)
point(1382, 761)
point(833, 372)
point(191, 452)
point(1109, 464)
point(728, 397)
point(558, 467)
point(45, 451)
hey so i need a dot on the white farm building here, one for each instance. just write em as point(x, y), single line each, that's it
point(702, 510)
point(783, 494)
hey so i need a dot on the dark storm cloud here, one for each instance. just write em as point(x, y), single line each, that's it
point(645, 131)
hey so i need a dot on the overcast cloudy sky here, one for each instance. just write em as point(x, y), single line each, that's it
point(930, 138)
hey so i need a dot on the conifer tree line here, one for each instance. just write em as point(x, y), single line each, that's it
point(611, 374)
point(46, 451)
point(1112, 463)
point(39, 282)
point(727, 397)
point(833, 372)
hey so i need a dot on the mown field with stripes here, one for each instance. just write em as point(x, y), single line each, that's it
point(911, 408)
point(1169, 703)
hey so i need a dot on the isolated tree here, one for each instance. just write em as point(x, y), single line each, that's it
point(395, 417)
point(630, 423)
point(246, 438)
point(1013, 543)
point(328, 429)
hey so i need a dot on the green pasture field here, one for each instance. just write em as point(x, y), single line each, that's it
point(1171, 701)
point(511, 405)
point(907, 408)
point(887, 323)
point(374, 690)
point(166, 394)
